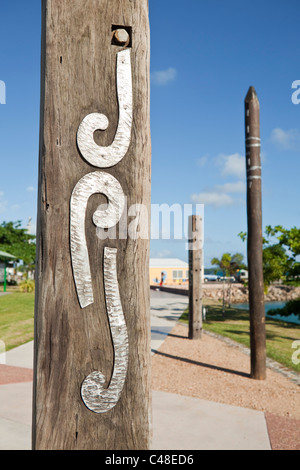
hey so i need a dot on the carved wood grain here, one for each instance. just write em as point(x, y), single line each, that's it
point(78, 78)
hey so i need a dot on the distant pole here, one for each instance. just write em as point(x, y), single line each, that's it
point(255, 242)
point(223, 306)
point(195, 276)
point(5, 278)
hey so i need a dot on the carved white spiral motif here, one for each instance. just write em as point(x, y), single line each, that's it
point(105, 157)
point(92, 183)
point(95, 397)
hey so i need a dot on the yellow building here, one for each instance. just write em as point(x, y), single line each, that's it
point(171, 271)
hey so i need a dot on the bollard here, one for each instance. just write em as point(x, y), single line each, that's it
point(195, 276)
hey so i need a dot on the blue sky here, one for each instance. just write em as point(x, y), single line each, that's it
point(204, 56)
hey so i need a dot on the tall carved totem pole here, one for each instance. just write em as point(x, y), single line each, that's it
point(255, 238)
point(92, 315)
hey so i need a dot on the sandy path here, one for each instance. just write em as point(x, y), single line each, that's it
point(212, 370)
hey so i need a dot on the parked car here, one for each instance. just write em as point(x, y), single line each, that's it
point(211, 278)
point(228, 278)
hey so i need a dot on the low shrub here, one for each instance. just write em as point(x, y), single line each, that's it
point(27, 286)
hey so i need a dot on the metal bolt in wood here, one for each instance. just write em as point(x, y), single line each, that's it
point(122, 37)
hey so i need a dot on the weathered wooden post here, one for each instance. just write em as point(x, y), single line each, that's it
point(5, 277)
point(195, 276)
point(92, 320)
point(255, 241)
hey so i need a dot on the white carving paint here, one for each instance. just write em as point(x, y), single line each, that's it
point(252, 168)
point(95, 397)
point(92, 183)
point(105, 157)
point(253, 145)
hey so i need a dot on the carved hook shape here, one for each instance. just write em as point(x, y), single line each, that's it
point(94, 395)
point(105, 157)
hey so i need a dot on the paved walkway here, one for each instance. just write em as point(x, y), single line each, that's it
point(179, 423)
point(166, 309)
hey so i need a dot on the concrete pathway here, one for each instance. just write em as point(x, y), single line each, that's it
point(179, 423)
point(189, 423)
point(166, 309)
point(15, 416)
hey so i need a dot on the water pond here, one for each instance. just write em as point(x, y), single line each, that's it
point(270, 305)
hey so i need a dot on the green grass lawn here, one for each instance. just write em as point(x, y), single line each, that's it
point(235, 325)
point(16, 319)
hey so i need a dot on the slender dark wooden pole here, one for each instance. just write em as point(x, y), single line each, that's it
point(255, 241)
point(195, 277)
point(95, 75)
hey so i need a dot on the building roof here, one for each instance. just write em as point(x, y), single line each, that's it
point(167, 263)
point(6, 255)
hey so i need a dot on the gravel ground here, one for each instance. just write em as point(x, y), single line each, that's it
point(213, 370)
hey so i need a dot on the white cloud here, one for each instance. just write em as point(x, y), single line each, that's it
point(213, 198)
point(163, 77)
point(30, 189)
point(219, 196)
point(232, 165)
point(287, 140)
point(201, 162)
point(237, 187)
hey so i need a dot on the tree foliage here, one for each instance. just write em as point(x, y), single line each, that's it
point(290, 240)
point(229, 263)
point(18, 242)
point(279, 258)
point(275, 263)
